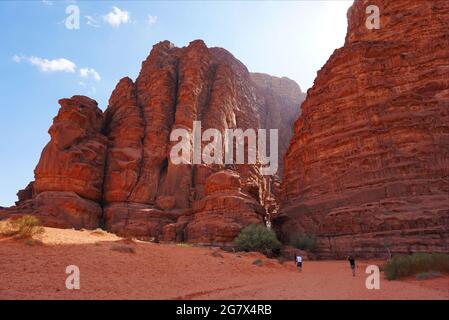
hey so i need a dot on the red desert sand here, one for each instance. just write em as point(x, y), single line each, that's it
point(170, 271)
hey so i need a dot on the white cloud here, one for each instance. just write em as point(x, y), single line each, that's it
point(47, 2)
point(116, 17)
point(45, 65)
point(59, 65)
point(90, 72)
point(152, 19)
point(92, 22)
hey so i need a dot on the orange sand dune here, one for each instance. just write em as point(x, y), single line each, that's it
point(168, 271)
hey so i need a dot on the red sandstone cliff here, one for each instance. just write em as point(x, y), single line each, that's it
point(368, 167)
point(113, 168)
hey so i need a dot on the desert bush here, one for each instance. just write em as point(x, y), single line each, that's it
point(6, 229)
point(258, 262)
point(26, 226)
point(258, 238)
point(304, 242)
point(401, 266)
point(123, 248)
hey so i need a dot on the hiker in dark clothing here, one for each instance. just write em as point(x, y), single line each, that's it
point(351, 260)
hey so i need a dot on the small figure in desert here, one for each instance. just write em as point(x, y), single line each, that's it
point(351, 260)
point(298, 260)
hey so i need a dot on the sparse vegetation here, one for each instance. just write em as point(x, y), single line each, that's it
point(258, 262)
point(258, 238)
point(401, 266)
point(123, 248)
point(24, 227)
point(304, 242)
point(428, 275)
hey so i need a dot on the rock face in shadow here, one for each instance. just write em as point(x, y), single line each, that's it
point(114, 168)
point(367, 170)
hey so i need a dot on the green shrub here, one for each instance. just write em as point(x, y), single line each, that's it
point(258, 237)
point(258, 262)
point(401, 266)
point(26, 226)
point(304, 242)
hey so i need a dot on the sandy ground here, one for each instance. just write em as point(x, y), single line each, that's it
point(169, 271)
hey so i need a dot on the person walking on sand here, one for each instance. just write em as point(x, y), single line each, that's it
point(351, 260)
point(298, 260)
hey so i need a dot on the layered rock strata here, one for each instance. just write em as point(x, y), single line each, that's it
point(367, 170)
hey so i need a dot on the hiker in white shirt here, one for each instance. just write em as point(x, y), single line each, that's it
point(299, 262)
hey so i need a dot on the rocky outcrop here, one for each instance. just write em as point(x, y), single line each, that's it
point(219, 216)
point(114, 168)
point(367, 170)
point(67, 190)
point(145, 194)
point(74, 159)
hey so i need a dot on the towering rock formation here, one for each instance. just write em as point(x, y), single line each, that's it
point(67, 190)
point(114, 167)
point(367, 170)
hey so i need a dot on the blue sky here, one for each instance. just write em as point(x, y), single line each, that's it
point(41, 60)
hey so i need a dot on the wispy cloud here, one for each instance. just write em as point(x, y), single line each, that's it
point(62, 65)
point(16, 58)
point(152, 19)
point(90, 73)
point(46, 65)
point(117, 17)
point(47, 2)
point(92, 22)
